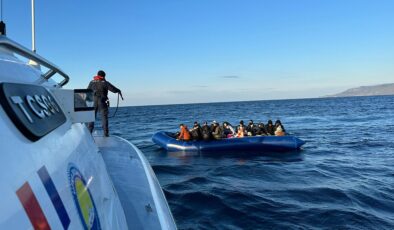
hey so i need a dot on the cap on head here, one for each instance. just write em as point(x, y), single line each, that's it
point(101, 73)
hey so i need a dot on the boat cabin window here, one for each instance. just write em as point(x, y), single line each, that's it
point(83, 100)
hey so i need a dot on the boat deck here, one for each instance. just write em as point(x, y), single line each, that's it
point(139, 192)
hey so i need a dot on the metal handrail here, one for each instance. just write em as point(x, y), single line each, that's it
point(19, 49)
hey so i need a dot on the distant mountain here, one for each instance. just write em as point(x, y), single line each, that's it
point(373, 90)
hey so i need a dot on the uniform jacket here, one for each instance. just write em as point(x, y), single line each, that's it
point(100, 87)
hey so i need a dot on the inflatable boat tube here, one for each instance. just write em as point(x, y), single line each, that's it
point(272, 143)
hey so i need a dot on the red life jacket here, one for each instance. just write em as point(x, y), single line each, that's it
point(98, 78)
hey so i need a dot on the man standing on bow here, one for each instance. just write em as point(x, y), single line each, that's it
point(100, 89)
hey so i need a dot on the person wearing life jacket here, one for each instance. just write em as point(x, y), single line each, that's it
point(241, 123)
point(241, 131)
point(184, 134)
point(100, 88)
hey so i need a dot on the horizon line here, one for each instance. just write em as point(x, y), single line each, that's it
point(284, 99)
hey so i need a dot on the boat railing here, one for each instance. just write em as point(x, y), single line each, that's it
point(26, 53)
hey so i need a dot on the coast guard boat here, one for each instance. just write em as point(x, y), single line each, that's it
point(55, 175)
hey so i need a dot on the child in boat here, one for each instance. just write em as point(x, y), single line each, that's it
point(184, 134)
point(241, 131)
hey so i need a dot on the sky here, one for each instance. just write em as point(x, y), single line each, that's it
point(192, 51)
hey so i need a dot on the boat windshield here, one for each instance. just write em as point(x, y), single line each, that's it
point(11, 51)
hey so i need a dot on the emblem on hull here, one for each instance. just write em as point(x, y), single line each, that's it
point(83, 199)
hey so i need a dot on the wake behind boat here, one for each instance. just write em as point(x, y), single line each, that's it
point(168, 141)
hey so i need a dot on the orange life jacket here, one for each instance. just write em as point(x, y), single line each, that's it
point(184, 134)
point(241, 132)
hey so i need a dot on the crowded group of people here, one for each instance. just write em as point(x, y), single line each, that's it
point(215, 131)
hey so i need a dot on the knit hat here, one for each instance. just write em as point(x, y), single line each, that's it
point(101, 73)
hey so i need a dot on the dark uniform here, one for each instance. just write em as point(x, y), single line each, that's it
point(100, 89)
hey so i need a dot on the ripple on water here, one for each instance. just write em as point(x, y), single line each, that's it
point(343, 179)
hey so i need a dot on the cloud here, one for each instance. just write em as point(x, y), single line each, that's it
point(230, 77)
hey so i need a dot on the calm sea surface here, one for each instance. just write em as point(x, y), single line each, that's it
point(342, 179)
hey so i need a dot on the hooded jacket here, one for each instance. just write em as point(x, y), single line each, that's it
point(196, 132)
point(270, 129)
point(261, 130)
point(206, 132)
point(217, 132)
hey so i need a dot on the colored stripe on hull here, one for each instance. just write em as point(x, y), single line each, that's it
point(32, 207)
point(54, 195)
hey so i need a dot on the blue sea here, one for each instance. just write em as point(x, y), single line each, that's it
point(343, 178)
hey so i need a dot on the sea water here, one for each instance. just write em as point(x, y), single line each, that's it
point(342, 179)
